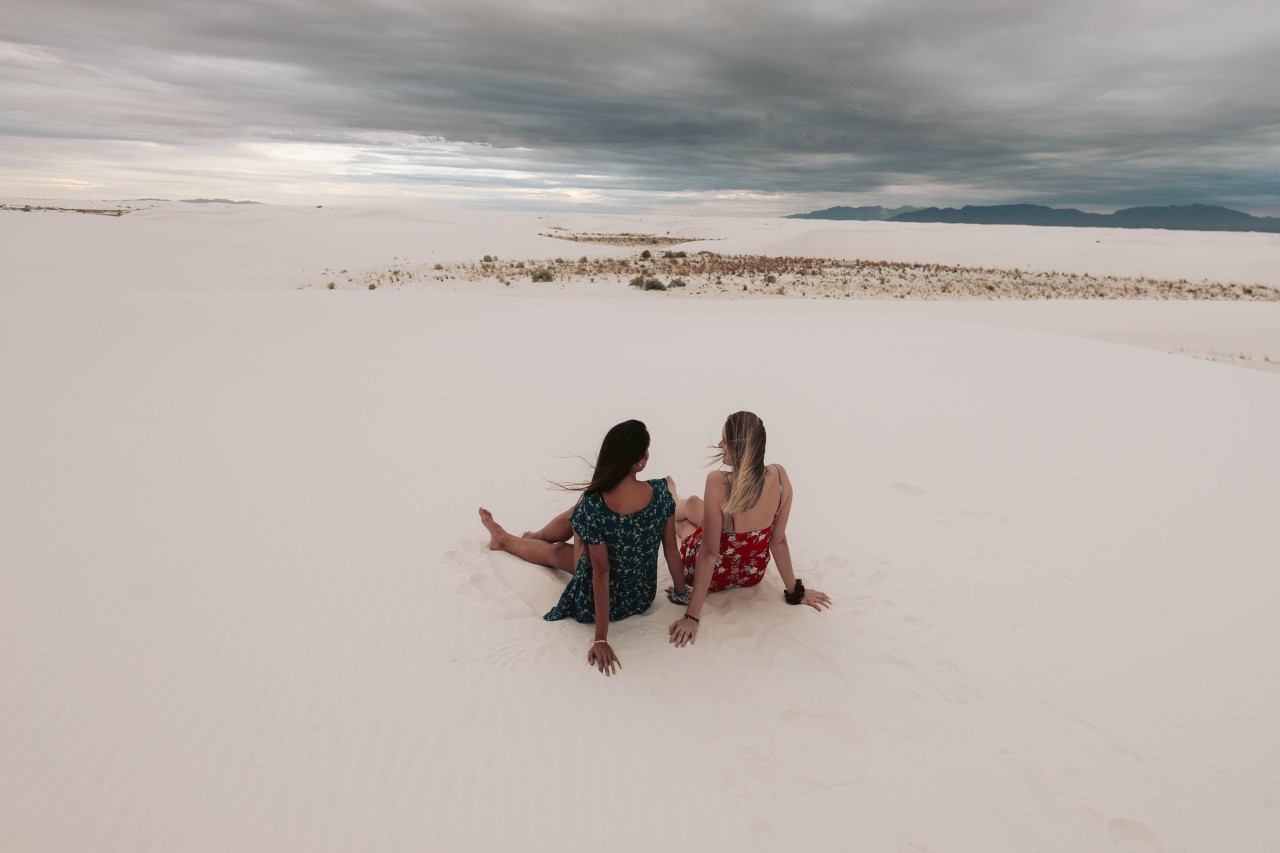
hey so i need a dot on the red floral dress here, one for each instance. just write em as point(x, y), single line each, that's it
point(743, 557)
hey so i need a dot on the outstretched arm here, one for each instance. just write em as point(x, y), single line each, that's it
point(685, 630)
point(671, 551)
point(781, 552)
point(601, 654)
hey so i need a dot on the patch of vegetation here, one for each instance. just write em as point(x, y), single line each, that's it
point(624, 239)
point(543, 274)
point(646, 282)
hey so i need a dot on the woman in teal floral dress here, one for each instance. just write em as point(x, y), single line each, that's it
point(618, 524)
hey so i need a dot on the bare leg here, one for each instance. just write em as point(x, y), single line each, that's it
point(555, 530)
point(688, 515)
point(553, 555)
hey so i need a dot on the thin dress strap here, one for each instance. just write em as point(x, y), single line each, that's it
point(726, 492)
point(782, 494)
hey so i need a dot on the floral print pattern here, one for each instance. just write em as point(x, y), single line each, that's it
point(632, 540)
point(742, 561)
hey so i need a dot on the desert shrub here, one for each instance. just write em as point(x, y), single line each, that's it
point(675, 254)
point(331, 285)
point(770, 279)
point(543, 274)
point(373, 285)
point(519, 265)
point(676, 282)
point(646, 254)
point(438, 267)
point(645, 282)
point(488, 259)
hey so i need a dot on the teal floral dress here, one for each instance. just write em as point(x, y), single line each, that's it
point(632, 540)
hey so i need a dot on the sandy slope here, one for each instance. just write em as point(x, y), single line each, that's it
point(245, 602)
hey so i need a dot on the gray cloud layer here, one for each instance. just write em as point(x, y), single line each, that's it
point(1088, 103)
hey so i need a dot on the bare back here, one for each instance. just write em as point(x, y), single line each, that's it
point(629, 496)
point(764, 512)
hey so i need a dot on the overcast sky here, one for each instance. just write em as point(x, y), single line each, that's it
point(710, 105)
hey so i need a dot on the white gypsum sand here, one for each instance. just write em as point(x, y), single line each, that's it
point(247, 603)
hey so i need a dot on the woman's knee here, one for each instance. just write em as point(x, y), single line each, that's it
point(691, 508)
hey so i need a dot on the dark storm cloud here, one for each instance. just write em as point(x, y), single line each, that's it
point(1091, 103)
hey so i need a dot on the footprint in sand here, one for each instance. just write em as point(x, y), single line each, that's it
point(1130, 836)
point(775, 641)
point(980, 515)
point(953, 685)
point(878, 576)
point(946, 677)
point(908, 490)
point(1044, 793)
point(1127, 758)
point(838, 724)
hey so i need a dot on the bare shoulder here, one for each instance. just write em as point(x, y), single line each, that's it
point(715, 483)
point(782, 475)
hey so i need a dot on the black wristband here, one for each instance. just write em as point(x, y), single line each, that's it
point(687, 615)
point(796, 597)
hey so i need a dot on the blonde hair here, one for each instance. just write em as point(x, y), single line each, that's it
point(744, 440)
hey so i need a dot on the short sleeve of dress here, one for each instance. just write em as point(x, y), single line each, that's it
point(666, 503)
point(585, 520)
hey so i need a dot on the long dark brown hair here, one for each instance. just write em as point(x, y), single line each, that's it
point(624, 445)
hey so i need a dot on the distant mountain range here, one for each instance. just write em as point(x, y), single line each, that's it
point(1182, 217)
point(864, 214)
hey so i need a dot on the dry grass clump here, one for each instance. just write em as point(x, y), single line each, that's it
point(100, 211)
point(704, 272)
point(623, 239)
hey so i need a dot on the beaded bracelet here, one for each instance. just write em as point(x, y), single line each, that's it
point(796, 597)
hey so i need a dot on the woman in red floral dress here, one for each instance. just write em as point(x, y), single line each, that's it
point(730, 546)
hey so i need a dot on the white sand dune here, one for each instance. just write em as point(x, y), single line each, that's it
point(246, 604)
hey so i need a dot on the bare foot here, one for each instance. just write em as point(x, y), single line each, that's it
point(528, 534)
point(497, 536)
point(671, 487)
